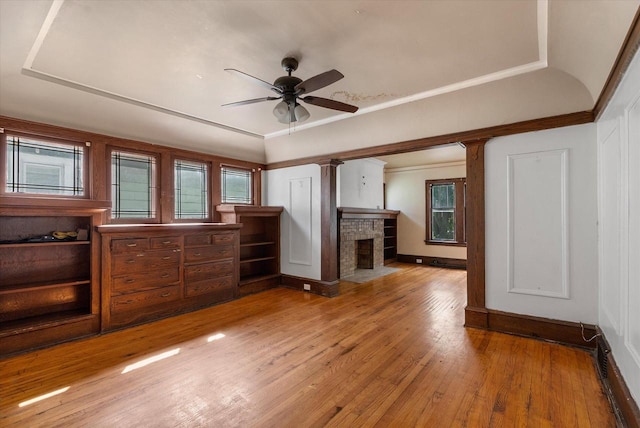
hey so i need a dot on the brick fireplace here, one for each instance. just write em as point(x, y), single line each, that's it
point(361, 239)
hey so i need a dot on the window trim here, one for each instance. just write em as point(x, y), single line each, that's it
point(156, 194)
point(209, 182)
point(251, 171)
point(86, 153)
point(460, 207)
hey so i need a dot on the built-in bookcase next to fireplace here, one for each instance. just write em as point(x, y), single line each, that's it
point(390, 239)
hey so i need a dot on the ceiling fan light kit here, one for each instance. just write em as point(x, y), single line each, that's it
point(290, 90)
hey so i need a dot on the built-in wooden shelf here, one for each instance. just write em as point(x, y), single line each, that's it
point(49, 289)
point(259, 244)
point(37, 244)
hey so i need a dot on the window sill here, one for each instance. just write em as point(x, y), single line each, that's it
point(446, 243)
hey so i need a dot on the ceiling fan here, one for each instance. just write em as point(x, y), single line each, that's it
point(290, 90)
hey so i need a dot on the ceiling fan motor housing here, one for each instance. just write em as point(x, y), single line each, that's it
point(287, 85)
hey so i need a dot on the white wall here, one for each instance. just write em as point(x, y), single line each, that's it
point(541, 224)
point(618, 136)
point(359, 183)
point(406, 192)
point(298, 190)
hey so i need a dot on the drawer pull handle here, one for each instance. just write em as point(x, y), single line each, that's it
point(165, 295)
point(129, 281)
point(131, 261)
point(166, 242)
point(166, 275)
point(197, 254)
point(132, 245)
point(166, 258)
point(127, 302)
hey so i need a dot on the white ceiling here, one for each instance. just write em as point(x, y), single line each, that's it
point(154, 70)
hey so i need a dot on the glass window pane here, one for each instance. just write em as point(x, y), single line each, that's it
point(44, 167)
point(443, 218)
point(236, 186)
point(443, 196)
point(132, 185)
point(443, 225)
point(190, 192)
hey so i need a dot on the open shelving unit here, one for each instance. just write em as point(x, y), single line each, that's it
point(49, 289)
point(259, 245)
point(390, 240)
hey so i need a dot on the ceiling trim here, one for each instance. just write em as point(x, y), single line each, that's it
point(541, 63)
point(532, 125)
point(27, 69)
point(429, 166)
point(627, 52)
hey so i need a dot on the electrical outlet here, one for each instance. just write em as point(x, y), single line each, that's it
point(307, 287)
point(419, 261)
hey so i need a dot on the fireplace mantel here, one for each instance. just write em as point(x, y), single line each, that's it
point(349, 212)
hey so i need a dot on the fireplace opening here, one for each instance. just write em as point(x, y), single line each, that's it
point(364, 254)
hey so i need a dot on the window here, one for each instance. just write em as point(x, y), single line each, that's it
point(35, 166)
point(191, 190)
point(133, 185)
point(446, 211)
point(236, 186)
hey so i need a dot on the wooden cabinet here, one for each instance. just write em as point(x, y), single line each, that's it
point(49, 288)
point(153, 271)
point(390, 239)
point(259, 245)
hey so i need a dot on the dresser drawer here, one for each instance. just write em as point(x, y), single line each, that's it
point(165, 242)
point(129, 244)
point(212, 252)
point(144, 280)
point(133, 301)
point(209, 239)
point(209, 286)
point(206, 271)
point(222, 238)
point(144, 261)
point(197, 240)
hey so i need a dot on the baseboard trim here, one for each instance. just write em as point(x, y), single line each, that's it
point(476, 317)
point(322, 288)
point(433, 261)
point(615, 387)
point(566, 332)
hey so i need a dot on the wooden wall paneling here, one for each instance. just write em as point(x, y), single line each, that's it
point(216, 190)
point(475, 312)
point(257, 186)
point(425, 143)
point(100, 167)
point(166, 199)
point(329, 220)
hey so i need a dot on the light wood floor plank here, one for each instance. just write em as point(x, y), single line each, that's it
point(391, 352)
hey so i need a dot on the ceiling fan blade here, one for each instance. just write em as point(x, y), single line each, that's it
point(327, 103)
point(255, 80)
point(255, 100)
point(317, 82)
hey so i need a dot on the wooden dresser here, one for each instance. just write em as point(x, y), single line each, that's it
point(154, 271)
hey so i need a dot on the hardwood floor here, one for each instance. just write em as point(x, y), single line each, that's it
point(392, 352)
